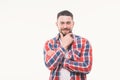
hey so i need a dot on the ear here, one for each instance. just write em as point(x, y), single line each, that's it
point(56, 24)
point(73, 23)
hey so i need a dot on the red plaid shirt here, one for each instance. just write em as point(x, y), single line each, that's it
point(79, 61)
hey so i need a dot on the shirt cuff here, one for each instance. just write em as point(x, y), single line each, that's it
point(63, 49)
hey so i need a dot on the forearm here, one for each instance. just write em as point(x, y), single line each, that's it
point(54, 58)
point(76, 66)
point(81, 60)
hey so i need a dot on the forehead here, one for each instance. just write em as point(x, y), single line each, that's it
point(65, 18)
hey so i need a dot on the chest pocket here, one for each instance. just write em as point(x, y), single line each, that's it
point(75, 55)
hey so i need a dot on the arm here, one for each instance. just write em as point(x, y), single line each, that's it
point(53, 57)
point(84, 63)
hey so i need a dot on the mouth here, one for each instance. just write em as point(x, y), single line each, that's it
point(65, 31)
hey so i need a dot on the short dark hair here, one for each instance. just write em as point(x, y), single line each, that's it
point(64, 13)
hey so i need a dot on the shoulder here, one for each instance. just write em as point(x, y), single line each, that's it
point(51, 41)
point(77, 37)
point(81, 39)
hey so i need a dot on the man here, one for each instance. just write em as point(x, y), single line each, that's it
point(67, 56)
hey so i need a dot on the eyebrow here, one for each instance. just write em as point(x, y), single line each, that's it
point(62, 22)
point(65, 22)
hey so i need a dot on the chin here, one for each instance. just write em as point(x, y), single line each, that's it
point(64, 34)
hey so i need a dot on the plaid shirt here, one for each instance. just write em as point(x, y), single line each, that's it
point(79, 61)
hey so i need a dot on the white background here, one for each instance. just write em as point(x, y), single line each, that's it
point(25, 25)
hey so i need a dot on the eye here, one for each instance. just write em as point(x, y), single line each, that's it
point(68, 22)
point(61, 22)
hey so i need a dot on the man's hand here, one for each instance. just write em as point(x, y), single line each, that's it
point(66, 40)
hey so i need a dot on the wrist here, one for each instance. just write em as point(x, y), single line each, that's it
point(65, 47)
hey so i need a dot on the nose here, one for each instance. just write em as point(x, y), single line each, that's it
point(65, 25)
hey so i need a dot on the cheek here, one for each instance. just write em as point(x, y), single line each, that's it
point(60, 27)
point(70, 26)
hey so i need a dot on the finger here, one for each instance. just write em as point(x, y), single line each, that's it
point(71, 34)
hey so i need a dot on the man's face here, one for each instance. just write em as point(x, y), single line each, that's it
point(65, 24)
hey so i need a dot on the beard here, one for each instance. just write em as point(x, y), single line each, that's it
point(65, 31)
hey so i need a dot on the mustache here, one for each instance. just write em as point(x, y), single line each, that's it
point(70, 31)
point(65, 29)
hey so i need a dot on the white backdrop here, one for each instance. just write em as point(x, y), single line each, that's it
point(25, 25)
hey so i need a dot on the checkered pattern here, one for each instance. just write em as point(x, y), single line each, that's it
point(79, 61)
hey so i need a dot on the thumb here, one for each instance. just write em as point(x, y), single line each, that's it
point(61, 35)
